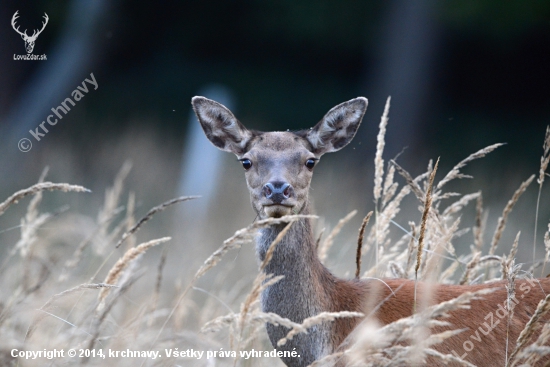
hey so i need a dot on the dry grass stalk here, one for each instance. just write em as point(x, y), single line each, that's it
point(158, 283)
point(237, 322)
point(530, 328)
point(455, 172)
point(391, 345)
point(29, 226)
point(32, 210)
point(547, 249)
point(421, 347)
point(218, 323)
point(36, 188)
point(380, 231)
point(544, 160)
point(397, 270)
point(388, 214)
point(447, 275)
point(122, 263)
point(150, 215)
point(378, 160)
point(360, 244)
point(508, 262)
point(427, 205)
point(390, 187)
point(273, 245)
point(479, 227)
point(315, 320)
point(441, 242)
point(77, 255)
point(410, 248)
point(130, 219)
point(461, 203)
point(447, 358)
point(112, 194)
point(111, 205)
point(511, 274)
point(470, 267)
point(261, 282)
point(56, 297)
point(534, 352)
point(328, 361)
point(102, 314)
point(410, 181)
point(327, 243)
point(509, 206)
point(319, 238)
point(242, 236)
point(448, 232)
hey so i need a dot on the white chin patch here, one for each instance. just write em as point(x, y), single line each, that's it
point(277, 211)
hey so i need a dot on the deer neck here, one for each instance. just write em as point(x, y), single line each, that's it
point(300, 293)
point(295, 257)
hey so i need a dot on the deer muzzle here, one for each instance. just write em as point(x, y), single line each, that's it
point(278, 198)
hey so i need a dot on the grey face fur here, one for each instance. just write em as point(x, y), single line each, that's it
point(283, 160)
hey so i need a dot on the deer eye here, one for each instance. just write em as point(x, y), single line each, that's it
point(310, 163)
point(246, 164)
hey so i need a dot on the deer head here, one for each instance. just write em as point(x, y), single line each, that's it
point(29, 40)
point(279, 165)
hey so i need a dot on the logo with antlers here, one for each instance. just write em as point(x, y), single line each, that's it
point(29, 40)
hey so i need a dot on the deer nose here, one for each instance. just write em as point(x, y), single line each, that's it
point(277, 191)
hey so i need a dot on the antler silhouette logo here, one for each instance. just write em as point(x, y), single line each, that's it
point(29, 40)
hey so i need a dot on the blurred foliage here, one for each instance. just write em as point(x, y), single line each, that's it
point(289, 61)
point(502, 21)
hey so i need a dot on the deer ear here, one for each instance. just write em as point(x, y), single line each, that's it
point(220, 126)
point(338, 126)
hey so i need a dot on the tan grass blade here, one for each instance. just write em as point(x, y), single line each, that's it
point(378, 160)
point(479, 227)
point(58, 296)
point(327, 243)
point(390, 187)
point(461, 203)
point(427, 206)
point(360, 244)
point(410, 181)
point(470, 267)
point(122, 263)
point(544, 161)
point(509, 206)
point(547, 249)
point(539, 349)
point(315, 320)
point(36, 188)
point(455, 172)
point(530, 328)
point(150, 215)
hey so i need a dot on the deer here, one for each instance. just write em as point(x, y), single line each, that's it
point(278, 169)
point(29, 40)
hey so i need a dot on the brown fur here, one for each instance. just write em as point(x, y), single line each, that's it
point(488, 350)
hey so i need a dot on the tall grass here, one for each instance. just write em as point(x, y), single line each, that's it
point(82, 298)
